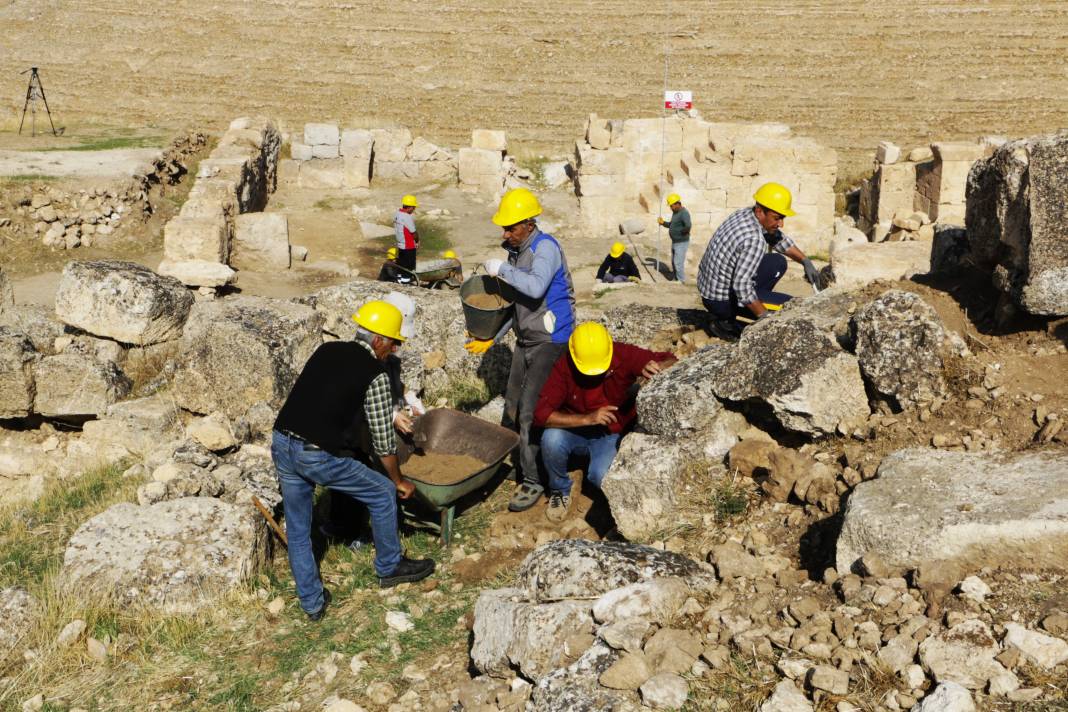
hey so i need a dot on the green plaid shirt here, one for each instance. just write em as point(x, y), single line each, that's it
point(378, 407)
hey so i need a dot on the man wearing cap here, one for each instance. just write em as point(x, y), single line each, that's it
point(744, 261)
point(405, 232)
point(679, 232)
point(587, 404)
point(543, 319)
point(618, 266)
point(343, 389)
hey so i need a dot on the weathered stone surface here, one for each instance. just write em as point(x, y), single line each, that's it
point(665, 691)
point(77, 384)
point(786, 698)
point(900, 346)
point(138, 426)
point(1017, 221)
point(215, 432)
point(261, 242)
point(489, 140)
point(175, 556)
point(582, 569)
point(196, 238)
point(357, 143)
point(964, 654)
point(239, 352)
point(17, 612)
point(122, 301)
point(17, 361)
point(510, 633)
point(198, 273)
point(321, 134)
point(640, 484)
point(947, 697)
point(999, 509)
point(657, 601)
point(627, 673)
point(1038, 648)
point(391, 145)
point(576, 688)
point(7, 294)
point(37, 322)
point(643, 325)
point(860, 263)
point(625, 634)
point(681, 401)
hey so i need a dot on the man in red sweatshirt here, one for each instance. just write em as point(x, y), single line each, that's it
point(587, 404)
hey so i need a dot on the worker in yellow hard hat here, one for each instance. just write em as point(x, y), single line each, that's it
point(744, 261)
point(587, 405)
point(543, 318)
point(406, 233)
point(679, 231)
point(343, 391)
point(618, 266)
point(389, 271)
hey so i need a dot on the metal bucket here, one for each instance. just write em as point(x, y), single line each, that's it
point(485, 323)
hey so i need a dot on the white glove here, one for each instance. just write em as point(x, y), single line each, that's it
point(413, 401)
point(493, 266)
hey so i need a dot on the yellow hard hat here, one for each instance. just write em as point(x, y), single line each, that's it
point(673, 198)
point(409, 201)
point(618, 248)
point(449, 255)
point(516, 205)
point(591, 348)
point(391, 253)
point(381, 318)
point(774, 196)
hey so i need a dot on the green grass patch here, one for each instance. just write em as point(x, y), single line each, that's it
point(110, 143)
point(464, 393)
point(536, 165)
point(433, 236)
point(27, 178)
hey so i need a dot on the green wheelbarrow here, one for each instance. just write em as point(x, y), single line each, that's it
point(451, 432)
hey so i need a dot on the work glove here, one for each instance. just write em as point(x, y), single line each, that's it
point(660, 221)
point(478, 346)
point(812, 275)
point(493, 267)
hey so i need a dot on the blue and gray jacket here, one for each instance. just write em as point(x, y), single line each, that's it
point(545, 304)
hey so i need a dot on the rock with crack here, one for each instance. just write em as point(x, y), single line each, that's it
point(964, 654)
point(17, 360)
point(512, 634)
point(1018, 221)
point(977, 509)
point(236, 353)
point(77, 384)
point(641, 484)
point(18, 610)
point(122, 301)
point(901, 344)
point(174, 556)
point(581, 569)
point(575, 688)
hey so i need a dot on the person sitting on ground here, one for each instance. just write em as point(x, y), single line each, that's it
point(618, 266)
point(587, 404)
point(744, 261)
point(341, 389)
point(389, 271)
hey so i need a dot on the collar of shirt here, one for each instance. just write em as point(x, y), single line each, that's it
point(524, 244)
point(367, 346)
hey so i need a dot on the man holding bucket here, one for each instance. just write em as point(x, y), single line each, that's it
point(543, 319)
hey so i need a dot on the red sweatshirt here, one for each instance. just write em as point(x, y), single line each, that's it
point(569, 391)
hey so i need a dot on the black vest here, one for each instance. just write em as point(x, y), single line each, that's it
point(325, 406)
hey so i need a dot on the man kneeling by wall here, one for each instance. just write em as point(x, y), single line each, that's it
point(587, 404)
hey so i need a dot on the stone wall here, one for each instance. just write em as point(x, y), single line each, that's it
point(714, 167)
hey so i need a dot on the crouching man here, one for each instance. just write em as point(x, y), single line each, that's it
point(343, 389)
point(587, 404)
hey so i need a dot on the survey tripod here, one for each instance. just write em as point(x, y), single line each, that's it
point(34, 91)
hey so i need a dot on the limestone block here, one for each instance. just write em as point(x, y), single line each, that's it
point(957, 151)
point(198, 273)
point(695, 135)
point(594, 185)
point(391, 144)
point(321, 134)
point(288, 170)
point(887, 153)
point(640, 485)
point(77, 384)
point(963, 654)
point(590, 161)
point(397, 170)
point(653, 135)
point(477, 162)
point(322, 173)
point(489, 140)
point(325, 151)
point(977, 509)
point(196, 239)
point(356, 171)
point(357, 143)
point(261, 242)
point(857, 264)
point(300, 151)
point(17, 360)
point(601, 213)
point(122, 301)
point(598, 133)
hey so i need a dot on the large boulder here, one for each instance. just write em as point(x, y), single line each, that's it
point(980, 509)
point(900, 344)
point(237, 353)
point(1017, 221)
point(18, 609)
point(579, 569)
point(175, 556)
point(576, 688)
point(122, 301)
point(640, 484)
point(17, 360)
point(76, 384)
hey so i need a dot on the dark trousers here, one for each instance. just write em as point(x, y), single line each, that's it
point(770, 270)
point(406, 259)
point(530, 369)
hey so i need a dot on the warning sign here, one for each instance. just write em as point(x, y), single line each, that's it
point(678, 100)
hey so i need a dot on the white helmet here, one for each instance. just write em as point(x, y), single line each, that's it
point(407, 310)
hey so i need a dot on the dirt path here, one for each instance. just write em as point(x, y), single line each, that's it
point(119, 163)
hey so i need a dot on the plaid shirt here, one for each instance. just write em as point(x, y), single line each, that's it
point(733, 255)
point(378, 407)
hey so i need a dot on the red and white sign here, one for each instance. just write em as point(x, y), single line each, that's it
point(678, 100)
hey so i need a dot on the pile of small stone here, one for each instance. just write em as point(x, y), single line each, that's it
point(65, 221)
point(910, 225)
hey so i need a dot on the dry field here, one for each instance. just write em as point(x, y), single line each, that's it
point(849, 73)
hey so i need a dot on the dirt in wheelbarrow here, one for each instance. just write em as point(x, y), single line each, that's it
point(438, 468)
point(487, 301)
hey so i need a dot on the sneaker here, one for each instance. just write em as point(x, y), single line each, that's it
point(725, 329)
point(407, 571)
point(526, 496)
point(317, 616)
point(559, 506)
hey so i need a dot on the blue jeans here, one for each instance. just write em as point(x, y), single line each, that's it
point(770, 270)
point(557, 444)
point(299, 470)
point(678, 259)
